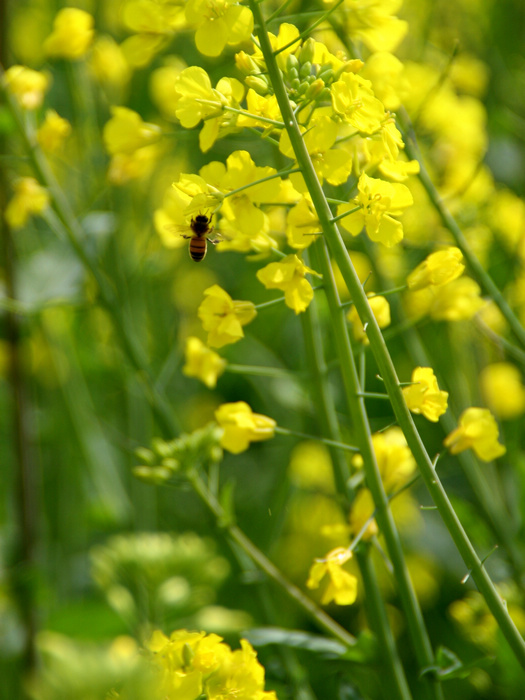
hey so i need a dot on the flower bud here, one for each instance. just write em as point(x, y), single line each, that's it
point(257, 83)
point(306, 54)
point(306, 69)
point(292, 64)
point(315, 89)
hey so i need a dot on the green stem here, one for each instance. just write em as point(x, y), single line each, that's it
point(256, 371)
point(388, 374)
point(255, 554)
point(67, 226)
point(420, 641)
point(332, 443)
point(450, 223)
point(282, 173)
point(326, 411)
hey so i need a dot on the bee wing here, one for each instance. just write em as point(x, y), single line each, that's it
point(182, 230)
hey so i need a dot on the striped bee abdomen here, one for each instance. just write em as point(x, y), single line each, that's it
point(197, 248)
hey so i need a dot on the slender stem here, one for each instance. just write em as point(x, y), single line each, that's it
point(290, 171)
point(67, 226)
point(388, 374)
point(257, 371)
point(450, 223)
point(374, 603)
point(332, 443)
point(420, 641)
point(255, 554)
point(307, 32)
point(243, 112)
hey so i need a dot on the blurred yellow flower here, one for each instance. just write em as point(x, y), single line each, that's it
point(437, 269)
point(424, 395)
point(223, 317)
point(361, 511)
point(203, 363)
point(395, 461)
point(108, 62)
point(218, 24)
point(53, 132)
point(29, 198)
point(241, 426)
point(381, 310)
point(289, 276)
point(72, 34)
point(503, 389)
point(27, 86)
point(477, 429)
point(125, 132)
point(342, 586)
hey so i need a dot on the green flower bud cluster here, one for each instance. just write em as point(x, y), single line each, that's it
point(307, 81)
point(170, 460)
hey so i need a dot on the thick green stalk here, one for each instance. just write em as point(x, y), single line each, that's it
point(326, 412)
point(420, 641)
point(386, 368)
point(450, 223)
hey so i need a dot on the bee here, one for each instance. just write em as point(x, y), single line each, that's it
point(201, 230)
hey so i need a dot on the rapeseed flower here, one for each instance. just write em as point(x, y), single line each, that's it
point(354, 101)
point(395, 461)
point(27, 86)
point(374, 23)
point(379, 202)
point(199, 101)
point(424, 396)
point(202, 362)
point(503, 390)
point(29, 198)
point(477, 429)
point(224, 318)
point(72, 34)
point(362, 510)
point(289, 276)
point(342, 586)
point(241, 426)
point(437, 269)
point(219, 23)
point(53, 132)
point(381, 310)
point(125, 132)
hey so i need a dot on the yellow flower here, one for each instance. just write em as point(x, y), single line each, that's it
point(395, 461)
point(198, 100)
point(362, 510)
point(503, 389)
point(218, 24)
point(373, 22)
point(354, 100)
point(301, 224)
point(437, 269)
point(72, 34)
point(29, 198)
point(203, 363)
point(125, 132)
point(108, 63)
point(458, 300)
point(241, 426)
point(53, 132)
point(342, 586)
point(27, 86)
point(224, 318)
point(289, 276)
point(381, 310)
point(379, 202)
point(477, 429)
point(424, 396)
